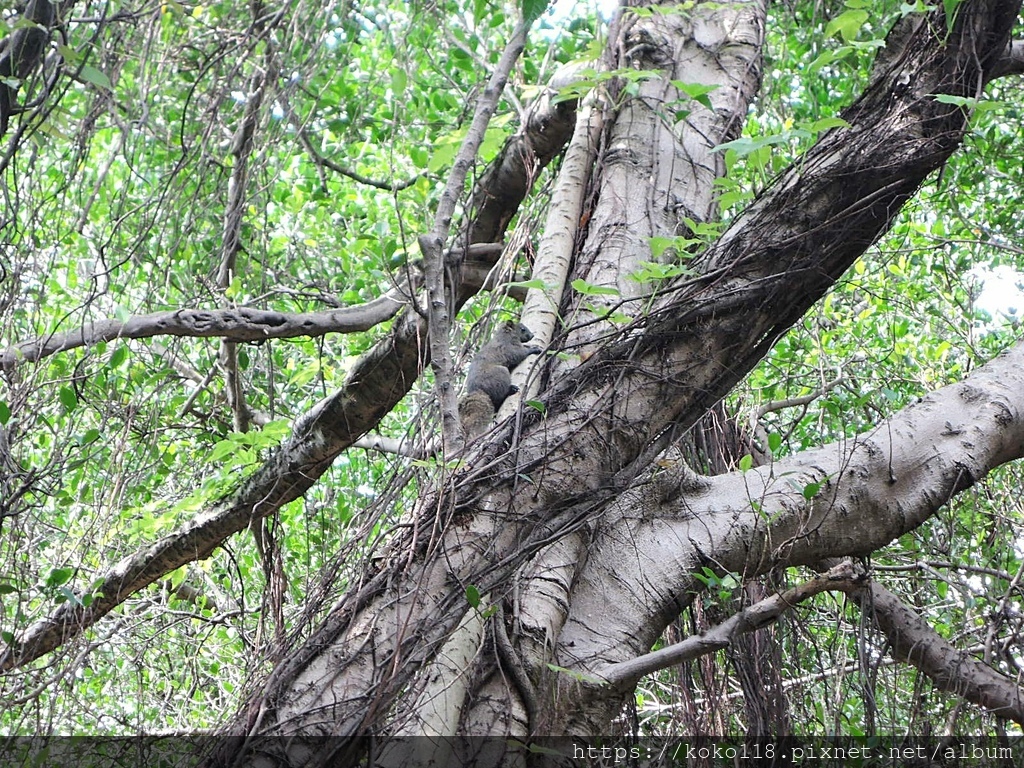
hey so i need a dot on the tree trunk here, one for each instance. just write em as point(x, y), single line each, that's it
point(560, 540)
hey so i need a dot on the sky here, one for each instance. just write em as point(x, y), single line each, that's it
point(562, 9)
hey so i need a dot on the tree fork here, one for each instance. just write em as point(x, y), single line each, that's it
point(703, 322)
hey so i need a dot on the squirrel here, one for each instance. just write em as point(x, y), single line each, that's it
point(489, 380)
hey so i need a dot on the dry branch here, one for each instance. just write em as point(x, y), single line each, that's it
point(239, 325)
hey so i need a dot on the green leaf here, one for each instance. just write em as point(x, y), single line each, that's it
point(827, 57)
point(68, 398)
point(5, 412)
point(66, 595)
point(745, 146)
point(533, 9)
point(950, 8)
point(746, 462)
point(696, 91)
point(473, 596)
point(728, 199)
point(222, 450)
point(847, 24)
point(582, 286)
point(774, 442)
point(97, 78)
point(494, 139)
point(399, 80)
point(235, 289)
point(442, 156)
point(420, 156)
point(827, 123)
point(119, 356)
point(59, 577)
point(654, 270)
point(69, 54)
point(6, 588)
point(706, 577)
point(90, 436)
point(811, 490)
point(960, 101)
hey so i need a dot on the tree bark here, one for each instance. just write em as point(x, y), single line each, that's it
point(576, 484)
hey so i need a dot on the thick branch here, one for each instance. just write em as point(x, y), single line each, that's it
point(1012, 62)
point(950, 669)
point(777, 259)
point(22, 52)
point(864, 493)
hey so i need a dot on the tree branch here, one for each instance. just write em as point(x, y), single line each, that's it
point(238, 325)
point(440, 272)
point(913, 641)
point(324, 162)
point(1012, 61)
point(864, 493)
point(845, 577)
point(255, 325)
point(794, 402)
point(21, 52)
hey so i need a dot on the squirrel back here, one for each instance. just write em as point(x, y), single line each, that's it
point(490, 373)
point(476, 411)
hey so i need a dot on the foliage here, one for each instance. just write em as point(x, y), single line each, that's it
point(116, 205)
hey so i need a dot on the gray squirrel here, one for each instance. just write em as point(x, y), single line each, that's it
point(489, 380)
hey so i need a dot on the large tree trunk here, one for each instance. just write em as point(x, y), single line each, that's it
point(563, 514)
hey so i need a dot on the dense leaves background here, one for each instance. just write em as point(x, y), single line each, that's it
point(116, 202)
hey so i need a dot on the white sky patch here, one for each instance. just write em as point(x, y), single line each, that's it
point(1001, 293)
point(564, 10)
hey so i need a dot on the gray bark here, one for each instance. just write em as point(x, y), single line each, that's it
point(546, 486)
